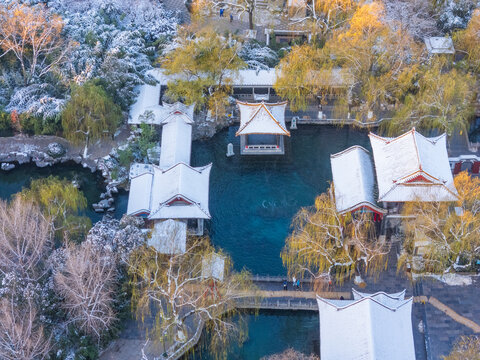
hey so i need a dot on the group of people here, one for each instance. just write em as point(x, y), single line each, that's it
point(222, 12)
point(295, 283)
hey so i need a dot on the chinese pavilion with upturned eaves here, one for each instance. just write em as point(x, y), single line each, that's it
point(262, 128)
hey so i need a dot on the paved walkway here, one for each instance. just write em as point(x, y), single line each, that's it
point(448, 311)
point(442, 329)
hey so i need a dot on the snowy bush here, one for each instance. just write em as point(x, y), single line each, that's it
point(455, 14)
point(118, 237)
point(36, 100)
point(112, 42)
point(258, 57)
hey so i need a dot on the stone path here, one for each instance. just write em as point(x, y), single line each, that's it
point(444, 330)
point(449, 311)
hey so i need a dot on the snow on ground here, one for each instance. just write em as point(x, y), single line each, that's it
point(450, 279)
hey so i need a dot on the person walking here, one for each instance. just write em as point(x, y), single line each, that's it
point(298, 284)
point(221, 12)
point(294, 282)
point(231, 17)
point(285, 285)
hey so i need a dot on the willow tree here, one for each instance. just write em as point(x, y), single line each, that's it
point(291, 354)
point(179, 291)
point(447, 233)
point(203, 67)
point(297, 70)
point(381, 60)
point(326, 244)
point(468, 42)
point(466, 348)
point(444, 100)
point(377, 64)
point(61, 202)
point(322, 16)
point(90, 114)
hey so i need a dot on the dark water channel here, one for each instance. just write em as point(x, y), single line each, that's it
point(271, 332)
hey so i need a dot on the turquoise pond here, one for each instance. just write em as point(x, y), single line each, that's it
point(91, 184)
point(253, 198)
point(269, 333)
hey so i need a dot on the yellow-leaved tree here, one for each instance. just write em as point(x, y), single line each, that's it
point(443, 99)
point(444, 236)
point(366, 58)
point(322, 16)
point(300, 71)
point(468, 41)
point(202, 69)
point(182, 289)
point(325, 244)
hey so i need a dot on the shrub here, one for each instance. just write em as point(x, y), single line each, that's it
point(5, 124)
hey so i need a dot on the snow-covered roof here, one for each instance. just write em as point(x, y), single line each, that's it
point(179, 192)
point(147, 100)
point(262, 118)
point(140, 186)
point(371, 327)
point(412, 167)
point(147, 109)
point(255, 78)
point(337, 77)
point(169, 237)
point(439, 45)
point(176, 136)
point(172, 112)
point(213, 266)
point(354, 180)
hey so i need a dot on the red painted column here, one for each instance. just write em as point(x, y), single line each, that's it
point(476, 167)
point(457, 168)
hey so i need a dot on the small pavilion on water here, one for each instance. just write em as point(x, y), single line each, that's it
point(262, 128)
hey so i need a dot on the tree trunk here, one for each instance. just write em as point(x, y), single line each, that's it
point(250, 19)
point(85, 150)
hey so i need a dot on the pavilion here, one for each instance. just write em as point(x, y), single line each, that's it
point(369, 327)
point(262, 128)
point(412, 167)
point(439, 45)
point(179, 192)
point(354, 182)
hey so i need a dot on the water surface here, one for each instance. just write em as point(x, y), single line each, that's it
point(91, 184)
point(254, 198)
point(271, 332)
